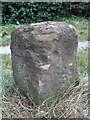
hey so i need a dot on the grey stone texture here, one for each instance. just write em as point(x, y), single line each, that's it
point(44, 58)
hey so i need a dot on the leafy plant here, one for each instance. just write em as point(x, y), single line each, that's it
point(5, 35)
point(27, 12)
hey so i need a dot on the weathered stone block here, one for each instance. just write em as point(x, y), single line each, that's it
point(44, 58)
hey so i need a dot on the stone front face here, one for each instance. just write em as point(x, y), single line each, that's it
point(43, 58)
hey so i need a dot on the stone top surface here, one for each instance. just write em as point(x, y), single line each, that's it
point(27, 36)
point(45, 27)
point(44, 30)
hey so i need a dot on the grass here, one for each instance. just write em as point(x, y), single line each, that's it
point(81, 24)
point(6, 72)
point(5, 35)
point(75, 105)
point(82, 62)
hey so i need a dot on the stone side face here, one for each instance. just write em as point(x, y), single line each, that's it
point(44, 58)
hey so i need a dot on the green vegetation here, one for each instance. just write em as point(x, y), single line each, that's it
point(82, 58)
point(28, 12)
point(81, 24)
point(6, 72)
point(82, 62)
point(5, 36)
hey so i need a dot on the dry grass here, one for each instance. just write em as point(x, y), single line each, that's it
point(74, 105)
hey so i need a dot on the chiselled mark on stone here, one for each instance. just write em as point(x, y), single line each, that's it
point(45, 67)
